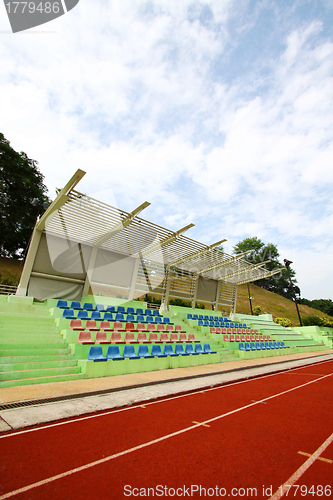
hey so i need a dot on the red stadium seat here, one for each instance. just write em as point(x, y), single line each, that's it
point(129, 338)
point(101, 338)
point(218, 329)
point(212, 329)
point(154, 338)
point(141, 327)
point(129, 327)
point(174, 337)
point(165, 337)
point(160, 327)
point(183, 338)
point(225, 338)
point(118, 326)
point(105, 325)
point(75, 324)
point(91, 325)
point(142, 337)
point(85, 338)
point(191, 338)
point(116, 338)
point(178, 329)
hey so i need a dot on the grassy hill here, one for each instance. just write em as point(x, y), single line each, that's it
point(278, 306)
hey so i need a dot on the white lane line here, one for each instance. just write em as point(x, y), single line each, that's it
point(149, 443)
point(111, 411)
point(295, 477)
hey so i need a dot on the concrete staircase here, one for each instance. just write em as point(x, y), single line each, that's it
point(32, 350)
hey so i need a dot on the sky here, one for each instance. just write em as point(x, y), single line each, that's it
point(217, 112)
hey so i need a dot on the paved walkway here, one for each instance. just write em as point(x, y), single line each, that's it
point(42, 403)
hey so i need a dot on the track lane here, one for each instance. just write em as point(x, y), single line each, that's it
point(173, 416)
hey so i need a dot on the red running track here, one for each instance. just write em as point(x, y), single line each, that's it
point(240, 440)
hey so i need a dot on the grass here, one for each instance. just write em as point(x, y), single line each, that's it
point(271, 303)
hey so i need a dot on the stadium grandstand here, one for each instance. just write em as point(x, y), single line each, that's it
point(80, 310)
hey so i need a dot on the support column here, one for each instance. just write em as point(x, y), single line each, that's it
point(217, 296)
point(134, 278)
point(195, 291)
point(234, 299)
point(165, 298)
point(90, 271)
point(28, 264)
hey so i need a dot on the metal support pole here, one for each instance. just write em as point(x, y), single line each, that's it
point(217, 296)
point(165, 298)
point(28, 264)
point(250, 298)
point(194, 298)
point(287, 265)
point(134, 278)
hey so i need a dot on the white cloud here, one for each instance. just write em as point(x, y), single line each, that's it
point(132, 92)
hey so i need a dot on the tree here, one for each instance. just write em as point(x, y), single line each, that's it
point(278, 283)
point(20, 183)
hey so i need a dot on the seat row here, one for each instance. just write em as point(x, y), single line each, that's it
point(234, 331)
point(207, 317)
point(88, 306)
point(108, 316)
point(76, 324)
point(247, 338)
point(113, 353)
point(221, 324)
point(101, 337)
point(262, 346)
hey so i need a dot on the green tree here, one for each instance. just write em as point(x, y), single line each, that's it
point(278, 283)
point(20, 183)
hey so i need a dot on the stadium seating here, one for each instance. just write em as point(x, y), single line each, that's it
point(143, 352)
point(129, 352)
point(85, 338)
point(96, 354)
point(101, 338)
point(113, 353)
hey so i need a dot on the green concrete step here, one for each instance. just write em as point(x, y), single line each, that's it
point(33, 351)
point(37, 373)
point(41, 380)
point(33, 365)
point(37, 359)
point(30, 339)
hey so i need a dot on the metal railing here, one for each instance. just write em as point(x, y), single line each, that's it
point(7, 289)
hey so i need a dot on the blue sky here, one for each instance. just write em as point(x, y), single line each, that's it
point(218, 113)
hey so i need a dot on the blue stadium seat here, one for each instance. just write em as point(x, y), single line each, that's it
point(100, 308)
point(69, 314)
point(284, 346)
point(111, 309)
point(130, 310)
point(120, 317)
point(200, 322)
point(207, 348)
point(148, 312)
point(157, 352)
point(262, 346)
point(167, 321)
point(96, 315)
point(76, 306)
point(168, 351)
point(140, 319)
point(189, 316)
point(139, 311)
point(156, 312)
point(87, 306)
point(179, 349)
point(96, 353)
point(199, 349)
point(252, 346)
point(149, 319)
point(82, 315)
point(206, 322)
point(247, 346)
point(158, 319)
point(121, 309)
point(108, 316)
point(189, 349)
point(143, 352)
point(195, 316)
point(258, 346)
point(267, 346)
point(241, 346)
point(129, 352)
point(130, 318)
point(206, 318)
point(113, 353)
point(62, 304)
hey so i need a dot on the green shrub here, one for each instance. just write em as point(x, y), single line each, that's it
point(283, 321)
point(312, 320)
point(256, 310)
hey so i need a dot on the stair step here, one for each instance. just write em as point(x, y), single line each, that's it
point(35, 351)
point(47, 372)
point(35, 359)
point(41, 380)
point(33, 365)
